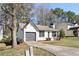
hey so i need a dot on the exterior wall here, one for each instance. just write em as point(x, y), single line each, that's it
point(46, 36)
point(30, 28)
point(69, 33)
point(50, 35)
point(1, 34)
point(43, 38)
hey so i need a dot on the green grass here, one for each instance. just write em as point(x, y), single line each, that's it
point(20, 51)
point(12, 52)
point(67, 41)
point(42, 52)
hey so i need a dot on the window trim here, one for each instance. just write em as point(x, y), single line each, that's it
point(53, 35)
point(43, 35)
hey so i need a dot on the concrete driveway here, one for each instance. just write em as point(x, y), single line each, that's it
point(57, 50)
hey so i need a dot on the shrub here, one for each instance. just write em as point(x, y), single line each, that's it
point(48, 39)
point(62, 33)
point(2, 46)
point(7, 40)
point(19, 41)
point(75, 33)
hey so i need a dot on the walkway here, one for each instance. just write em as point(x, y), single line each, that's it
point(57, 50)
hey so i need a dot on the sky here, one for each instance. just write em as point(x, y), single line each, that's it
point(66, 6)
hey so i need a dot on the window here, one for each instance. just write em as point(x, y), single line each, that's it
point(41, 33)
point(53, 34)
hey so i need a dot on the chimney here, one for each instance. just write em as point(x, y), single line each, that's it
point(52, 25)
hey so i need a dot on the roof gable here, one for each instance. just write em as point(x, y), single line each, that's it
point(32, 25)
point(45, 28)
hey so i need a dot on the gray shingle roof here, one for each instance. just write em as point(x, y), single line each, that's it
point(41, 27)
point(45, 28)
point(74, 27)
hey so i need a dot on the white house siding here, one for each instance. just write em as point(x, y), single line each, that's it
point(29, 28)
point(50, 35)
point(1, 34)
point(45, 36)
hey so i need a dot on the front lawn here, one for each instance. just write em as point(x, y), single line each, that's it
point(20, 51)
point(42, 52)
point(67, 41)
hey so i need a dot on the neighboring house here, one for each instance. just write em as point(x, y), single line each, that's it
point(33, 32)
point(1, 31)
point(64, 26)
point(74, 28)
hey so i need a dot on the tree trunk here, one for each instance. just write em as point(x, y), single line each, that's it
point(11, 35)
point(14, 28)
point(14, 38)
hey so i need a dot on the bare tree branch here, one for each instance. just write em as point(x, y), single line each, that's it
point(6, 11)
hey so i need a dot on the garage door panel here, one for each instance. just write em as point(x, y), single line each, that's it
point(30, 36)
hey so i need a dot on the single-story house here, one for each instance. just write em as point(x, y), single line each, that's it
point(75, 28)
point(33, 32)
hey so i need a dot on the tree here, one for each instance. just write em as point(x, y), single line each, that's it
point(51, 16)
point(71, 15)
point(10, 10)
point(6, 29)
point(26, 13)
point(62, 33)
point(75, 32)
point(77, 18)
point(58, 11)
point(41, 14)
point(12, 13)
